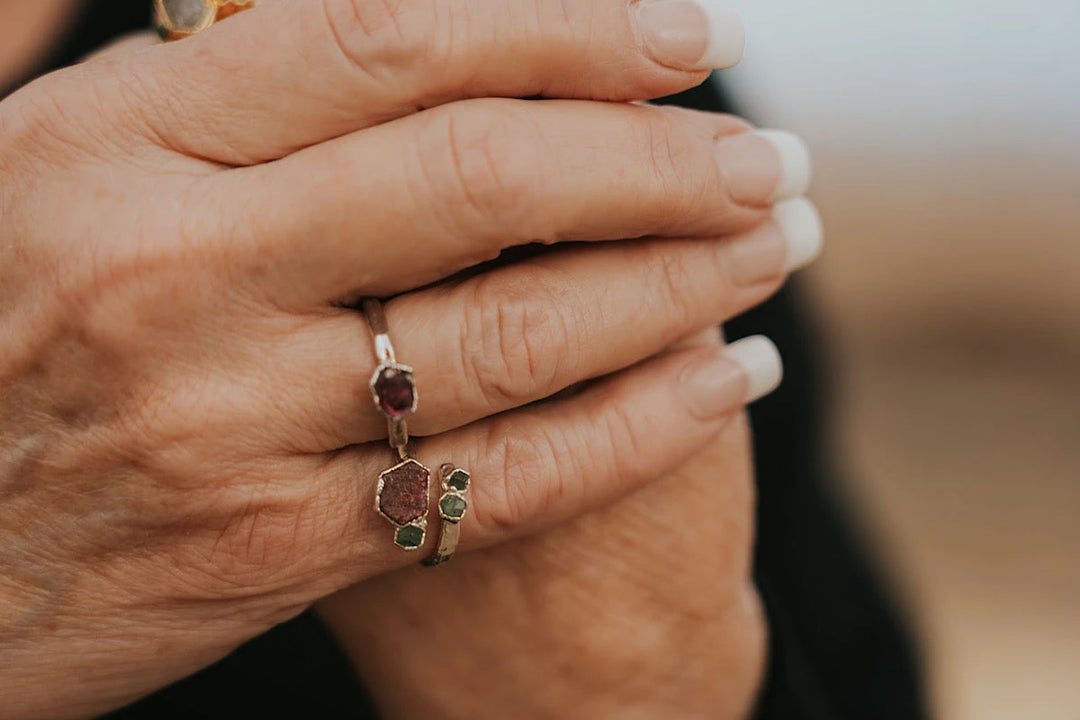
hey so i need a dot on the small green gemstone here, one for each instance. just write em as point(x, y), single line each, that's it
point(452, 507)
point(409, 537)
point(163, 32)
point(458, 480)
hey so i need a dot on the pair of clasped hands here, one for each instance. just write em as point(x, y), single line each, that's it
point(188, 446)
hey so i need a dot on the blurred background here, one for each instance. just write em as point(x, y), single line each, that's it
point(946, 136)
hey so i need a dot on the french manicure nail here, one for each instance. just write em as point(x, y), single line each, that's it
point(790, 242)
point(764, 166)
point(742, 372)
point(690, 34)
point(795, 167)
point(760, 360)
point(803, 231)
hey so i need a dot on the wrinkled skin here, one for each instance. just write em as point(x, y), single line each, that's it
point(187, 444)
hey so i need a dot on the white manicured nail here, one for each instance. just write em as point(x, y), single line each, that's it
point(690, 34)
point(722, 382)
point(803, 231)
point(763, 166)
point(760, 361)
point(794, 163)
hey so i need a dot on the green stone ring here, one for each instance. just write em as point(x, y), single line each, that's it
point(452, 508)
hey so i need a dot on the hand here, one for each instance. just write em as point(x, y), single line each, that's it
point(188, 449)
point(643, 610)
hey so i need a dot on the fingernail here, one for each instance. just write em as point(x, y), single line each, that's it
point(790, 242)
point(764, 166)
point(690, 34)
point(759, 359)
point(744, 371)
point(803, 231)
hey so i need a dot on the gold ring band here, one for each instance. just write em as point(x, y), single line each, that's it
point(176, 19)
point(453, 505)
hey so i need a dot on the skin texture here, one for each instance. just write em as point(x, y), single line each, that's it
point(187, 447)
point(645, 609)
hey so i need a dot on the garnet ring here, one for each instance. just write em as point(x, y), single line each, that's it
point(401, 495)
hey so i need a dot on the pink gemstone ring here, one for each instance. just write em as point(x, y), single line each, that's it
point(401, 495)
point(392, 385)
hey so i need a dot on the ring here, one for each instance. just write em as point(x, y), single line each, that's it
point(401, 495)
point(452, 507)
point(392, 385)
point(176, 19)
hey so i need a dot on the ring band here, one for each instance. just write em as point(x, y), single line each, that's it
point(392, 385)
point(402, 493)
point(453, 505)
point(176, 19)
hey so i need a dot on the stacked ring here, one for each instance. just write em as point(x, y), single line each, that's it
point(452, 507)
point(402, 492)
point(176, 19)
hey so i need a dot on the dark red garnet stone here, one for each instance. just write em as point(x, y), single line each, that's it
point(396, 392)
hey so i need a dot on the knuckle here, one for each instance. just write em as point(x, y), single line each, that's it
point(658, 138)
point(256, 539)
point(380, 38)
point(530, 479)
point(521, 337)
point(626, 439)
point(66, 117)
point(37, 121)
point(670, 278)
point(483, 164)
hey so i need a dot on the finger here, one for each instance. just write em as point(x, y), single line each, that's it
point(709, 337)
point(290, 74)
point(121, 48)
point(410, 202)
point(543, 465)
point(524, 332)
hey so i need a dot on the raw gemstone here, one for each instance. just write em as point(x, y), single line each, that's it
point(404, 494)
point(458, 480)
point(453, 507)
point(188, 15)
point(409, 537)
point(395, 392)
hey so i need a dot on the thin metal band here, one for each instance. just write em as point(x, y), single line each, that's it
point(450, 532)
point(373, 311)
point(398, 434)
point(448, 540)
point(397, 431)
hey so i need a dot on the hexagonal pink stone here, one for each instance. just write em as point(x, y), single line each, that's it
point(404, 494)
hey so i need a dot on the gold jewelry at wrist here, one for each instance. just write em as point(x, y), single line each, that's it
point(176, 19)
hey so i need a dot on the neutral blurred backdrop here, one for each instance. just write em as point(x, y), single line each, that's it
point(947, 140)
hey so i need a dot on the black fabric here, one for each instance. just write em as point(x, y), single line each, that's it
point(837, 649)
